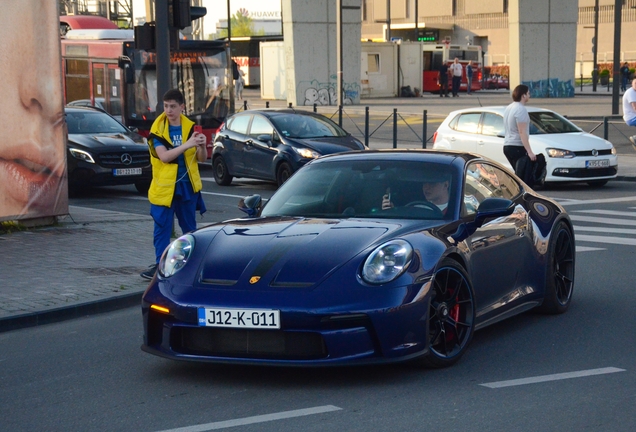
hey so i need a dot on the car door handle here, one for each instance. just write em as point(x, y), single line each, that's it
point(249, 142)
point(452, 138)
point(480, 142)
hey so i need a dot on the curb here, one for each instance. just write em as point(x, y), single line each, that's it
point(69, 312)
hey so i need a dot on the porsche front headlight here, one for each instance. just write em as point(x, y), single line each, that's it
point(176, 256)
point(387, 262)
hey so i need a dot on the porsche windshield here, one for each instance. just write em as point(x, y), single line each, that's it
point(550, 123)
point(366, 189)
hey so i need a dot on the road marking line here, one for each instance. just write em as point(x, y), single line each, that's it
point(605, 230)
point(588, 249)
point(554, 377)
point(256, 419)
point(609, 221)
point(597, 201)
point(608, 212)
point(608, 240)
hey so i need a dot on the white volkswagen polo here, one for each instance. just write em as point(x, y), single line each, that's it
point(571, 154)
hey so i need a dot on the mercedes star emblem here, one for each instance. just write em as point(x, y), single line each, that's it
point(126, 159)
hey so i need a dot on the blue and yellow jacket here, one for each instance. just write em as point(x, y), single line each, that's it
point(164, 175)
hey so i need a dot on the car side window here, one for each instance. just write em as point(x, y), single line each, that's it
point(239, 124)
point(480, 182)
point(260, 126)
point(468, 123)
point(492, 124)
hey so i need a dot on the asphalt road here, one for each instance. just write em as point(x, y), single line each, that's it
point(577, 369)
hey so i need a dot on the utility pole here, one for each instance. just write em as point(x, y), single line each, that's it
point(162, 38)
point(339, 51)
point(618, 14)
point(595, 48)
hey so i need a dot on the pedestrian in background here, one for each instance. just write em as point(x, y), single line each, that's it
point(469, 76)
point(517, 128)
point(442, 80)
point(456, 71)
point(240, 84)
point(629, 109)
point(624, 76)
point(176, 183)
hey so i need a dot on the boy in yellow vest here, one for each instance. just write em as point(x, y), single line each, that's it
point(175, 151)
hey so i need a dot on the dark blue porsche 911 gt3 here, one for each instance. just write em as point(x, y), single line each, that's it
point(363, 257)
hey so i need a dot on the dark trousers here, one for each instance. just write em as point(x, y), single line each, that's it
point(443, 87)
point(457, 80)
point(513, 154)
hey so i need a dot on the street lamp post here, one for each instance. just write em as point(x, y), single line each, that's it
point(595, 48)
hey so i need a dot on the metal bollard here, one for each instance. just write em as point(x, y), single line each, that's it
point(424, 121)
point(394, 128)
point(315, 108)
point(266, 104)
point(244, 105)
point(605, 127)
point(340, 115)
point(581, 82)
point(290, 104)
point(366, 126)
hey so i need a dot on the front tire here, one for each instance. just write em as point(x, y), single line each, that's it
point(559, 281)
point(451, 318)
point(283, 172)
point(221, 173)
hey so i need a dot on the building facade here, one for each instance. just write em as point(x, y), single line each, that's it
point(486, 23)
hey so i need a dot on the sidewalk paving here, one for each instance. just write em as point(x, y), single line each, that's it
point(90, 261)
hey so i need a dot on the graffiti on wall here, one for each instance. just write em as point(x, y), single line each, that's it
point(320, 93)
point(550, 88)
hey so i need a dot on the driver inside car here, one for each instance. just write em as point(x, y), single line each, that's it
point(435, 192)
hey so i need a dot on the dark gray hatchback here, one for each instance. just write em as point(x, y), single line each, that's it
point(273, 144)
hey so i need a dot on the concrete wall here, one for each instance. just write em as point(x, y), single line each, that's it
point(543, 46)
point(310, 33)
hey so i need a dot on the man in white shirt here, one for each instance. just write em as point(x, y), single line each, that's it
point(456, 70)
point(629, 109)
point(517, 127)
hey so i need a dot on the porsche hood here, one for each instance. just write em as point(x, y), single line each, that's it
point(288, 252)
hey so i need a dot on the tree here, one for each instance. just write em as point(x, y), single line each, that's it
point(242, 25)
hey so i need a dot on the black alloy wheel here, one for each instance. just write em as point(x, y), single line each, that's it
point(559, 284)
point(451, 317)
point(221, 174)
point(283, 172)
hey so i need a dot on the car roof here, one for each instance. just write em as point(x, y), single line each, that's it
point(499, 109)
point(269, 112)
point(80, 109)
point(443, 157)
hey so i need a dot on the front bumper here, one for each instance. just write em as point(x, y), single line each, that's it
point(562, 170)
point(308, 337)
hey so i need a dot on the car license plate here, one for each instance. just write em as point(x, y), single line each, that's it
point(597, 163)
point(239, 318)
point(126, 171)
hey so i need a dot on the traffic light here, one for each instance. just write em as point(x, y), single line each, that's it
point(183, 14)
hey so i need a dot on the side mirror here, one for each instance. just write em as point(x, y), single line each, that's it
point(251, 205)
point(489, 208)
point(125, 63)
point(265, 138)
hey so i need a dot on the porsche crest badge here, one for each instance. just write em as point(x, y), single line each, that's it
point(254, 279)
